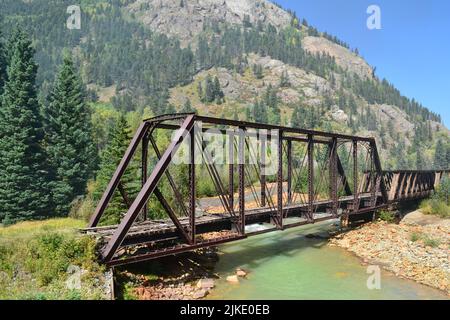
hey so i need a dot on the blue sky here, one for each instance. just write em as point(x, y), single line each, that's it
point(412, 49)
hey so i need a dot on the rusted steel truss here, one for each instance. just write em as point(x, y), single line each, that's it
point(314, 176)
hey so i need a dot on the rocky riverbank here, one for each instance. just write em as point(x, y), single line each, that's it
point(417, 248)
point(182, 290)
point(187, 276)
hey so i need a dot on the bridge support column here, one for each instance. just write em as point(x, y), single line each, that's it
point(279, 215)
point(289, 171)
point(262, 170)
point(355, 177)
point(333, 176)
point(310, 178)
point(144, 169)
point(241, 156)
point(231, 168)
point(192, 187)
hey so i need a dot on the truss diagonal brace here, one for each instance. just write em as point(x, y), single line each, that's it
point(107, 195)
point(176, 192)
point(341, 171)
point(171, 214)
point(147, 189)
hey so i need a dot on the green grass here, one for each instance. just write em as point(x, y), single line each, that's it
point(427, 241)
point(415, 236)
point(35, 257)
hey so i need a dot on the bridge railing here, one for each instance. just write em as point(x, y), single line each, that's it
point(412, 184)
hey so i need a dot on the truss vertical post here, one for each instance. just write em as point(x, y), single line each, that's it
point(144, 169)
point(355, 176)
point(280, 181)
point(263, 141)
point(241, 155)
point(310, 177)
point(192, 187)
point(333, 176)
point(379, 171)
point(373, 178)
point(289, 171)
point(231, 168)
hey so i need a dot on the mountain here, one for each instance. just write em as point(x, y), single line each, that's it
point(184, 19)
point(271, 66)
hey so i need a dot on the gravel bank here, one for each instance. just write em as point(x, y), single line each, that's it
point(411, 249)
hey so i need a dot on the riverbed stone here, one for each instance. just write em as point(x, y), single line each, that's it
point(241, 273)
point(199, 294)
point(233, 279)
point(206, 283)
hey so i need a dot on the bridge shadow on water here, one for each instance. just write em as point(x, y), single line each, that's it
point(252, 252)
point(260, 249)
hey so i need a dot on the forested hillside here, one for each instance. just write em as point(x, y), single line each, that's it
point(237, 59)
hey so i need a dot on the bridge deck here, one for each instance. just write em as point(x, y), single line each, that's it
point(163, 233)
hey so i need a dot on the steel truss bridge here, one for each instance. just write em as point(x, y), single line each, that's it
point(317, 176)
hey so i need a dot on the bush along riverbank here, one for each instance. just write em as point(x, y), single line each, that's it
point(50, 260)
point(417, 248)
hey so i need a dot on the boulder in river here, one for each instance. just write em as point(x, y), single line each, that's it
point(233, 279)
point(240, 272)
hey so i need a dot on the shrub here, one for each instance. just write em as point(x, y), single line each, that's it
point(35, 256)
point(435, 206)
point(387, 216)
point(82, 208)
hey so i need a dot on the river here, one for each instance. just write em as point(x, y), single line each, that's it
point(288, 265)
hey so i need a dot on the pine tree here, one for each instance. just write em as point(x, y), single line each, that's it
point(218, 93)
point(68, 134)
point(258, 71)
point(284, 80)
point(24, 192)
point(2, 65)
point(420, 162)
point(447, 163)
point(119, 138)
point(209, 90)
point(296, 120)
point(200, 92)
point(440, 156)
point(187, 107)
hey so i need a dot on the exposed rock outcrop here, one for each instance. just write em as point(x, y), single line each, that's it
point(344, 57)
point(185, 18)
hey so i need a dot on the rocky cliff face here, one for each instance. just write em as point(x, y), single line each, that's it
point(344, 57)
point(184, 19)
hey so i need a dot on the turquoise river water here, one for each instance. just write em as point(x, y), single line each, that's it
point(288, 265)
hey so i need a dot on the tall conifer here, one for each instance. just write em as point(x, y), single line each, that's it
point(2, 64)
point(24, 190)
point(72, 152)
point(119, 139)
